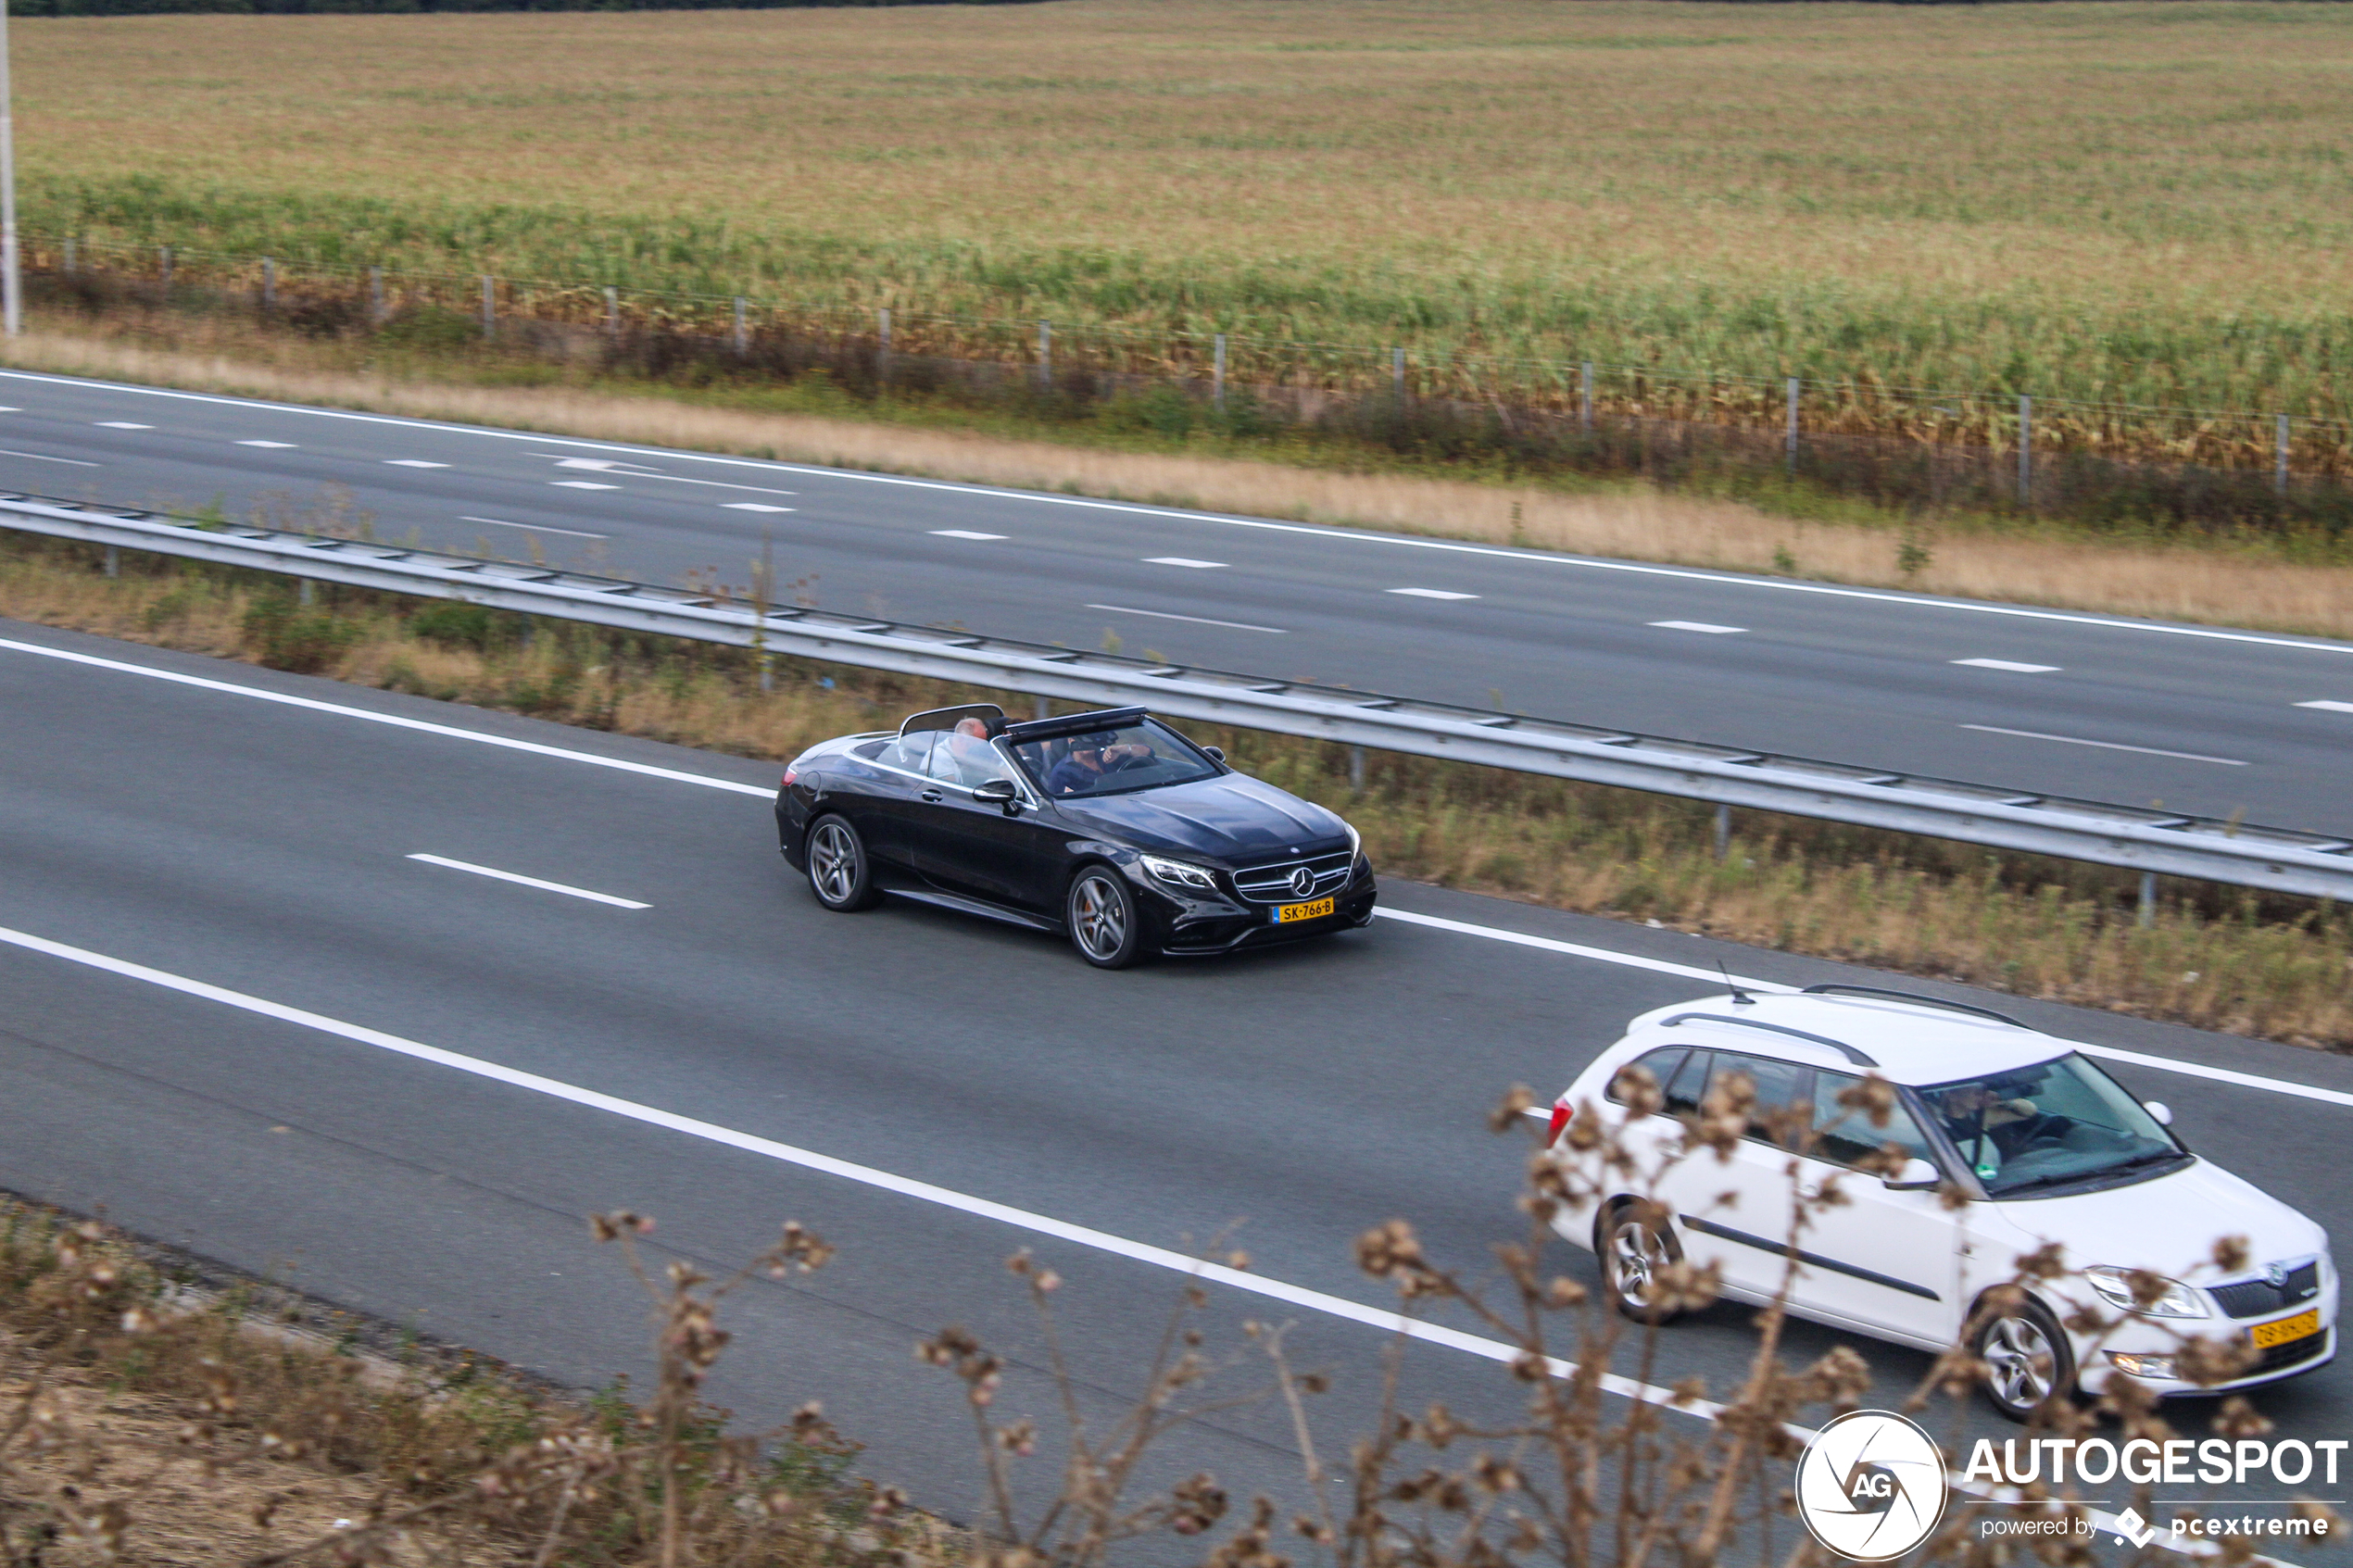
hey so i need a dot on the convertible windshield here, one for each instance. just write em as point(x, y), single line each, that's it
point(1143, 754)
point(2056, 1123)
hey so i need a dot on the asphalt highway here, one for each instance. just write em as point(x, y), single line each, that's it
point(2200, 719)
point(239, 1013)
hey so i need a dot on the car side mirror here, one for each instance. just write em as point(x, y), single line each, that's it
point(997, 792)
point(2159, 1112)
point(1916, 1176)
point(1214, 753)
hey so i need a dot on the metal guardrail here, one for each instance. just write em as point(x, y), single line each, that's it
point(2277, 860)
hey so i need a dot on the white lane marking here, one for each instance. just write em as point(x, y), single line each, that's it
point(1749, 983)
point(120, 424)
point(274, 446)
point(45, 457)
point(1196, 620)
point(1431, 593)
point(639, 470)
point(2013, 668)
point(531, 881)
point(581, 484)
point(946, 1198)
point(413, 463)
point(1181, 561)
point(2111, 746)
point(11, 411)
point(752, 506)
point(2329, 707)
point(397, 721)
point(963, 533)
point(536, 527)
point(809, 1160)
point(1351, 535)
point(1708, 626)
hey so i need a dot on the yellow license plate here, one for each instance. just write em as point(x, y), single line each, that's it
point(2301, 1327)
point(1287, 914)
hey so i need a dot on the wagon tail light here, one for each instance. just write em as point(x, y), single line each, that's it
point(1562, 1111)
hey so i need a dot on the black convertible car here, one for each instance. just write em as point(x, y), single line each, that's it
point(1109, 826)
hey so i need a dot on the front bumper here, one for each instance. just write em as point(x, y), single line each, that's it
point(1189, 924)
point(2141, 1338)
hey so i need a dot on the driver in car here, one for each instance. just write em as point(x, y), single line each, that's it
point(1976, 1116)
point(1092, 756)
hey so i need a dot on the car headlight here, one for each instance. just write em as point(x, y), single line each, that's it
point(2115, 1287)
point(1355, 842)
point(1178, 872)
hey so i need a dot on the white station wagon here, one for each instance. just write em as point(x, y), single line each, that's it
point(2048, 1147)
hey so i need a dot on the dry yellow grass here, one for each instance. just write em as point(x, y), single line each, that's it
point(2038, 928)
point(2184, 583)
point(2132, 201)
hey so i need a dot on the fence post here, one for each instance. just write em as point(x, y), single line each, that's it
point(376, 311)
point(1217, 374)
point(2278, 462)
point(1046, 356)
point(1397, 372)
point(613, 312)
point(268, 284)
point(743, 328)
point(2025, 451)
point(1791, 443)
point(1585, 395)
point(489, 305)
point(882, 360)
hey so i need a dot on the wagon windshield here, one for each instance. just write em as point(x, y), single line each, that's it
point(1113, 760)
point(2062, 1124)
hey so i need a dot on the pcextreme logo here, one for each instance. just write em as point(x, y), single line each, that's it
point(1870, 1485)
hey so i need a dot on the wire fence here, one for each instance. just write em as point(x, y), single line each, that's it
point(2007, 439)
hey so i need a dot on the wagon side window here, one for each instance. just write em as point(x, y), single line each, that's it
point(1662, 1065)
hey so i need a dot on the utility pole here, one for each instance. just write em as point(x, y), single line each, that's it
point(11, 280)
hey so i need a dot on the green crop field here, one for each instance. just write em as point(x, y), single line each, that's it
point(2136, 202)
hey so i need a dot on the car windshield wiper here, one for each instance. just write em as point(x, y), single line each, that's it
point(2060, 1177)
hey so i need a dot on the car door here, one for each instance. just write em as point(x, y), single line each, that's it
point(1006, 853)
point(887, 798)
point(1885, 1258)
point(1739, 1214)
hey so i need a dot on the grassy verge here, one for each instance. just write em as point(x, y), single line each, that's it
point(2250, 578)
point(2215, 958)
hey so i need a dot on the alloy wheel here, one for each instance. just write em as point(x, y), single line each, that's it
point(2019, 1363)
point(1098, 917)
point(1635, 1257)
point(832, 863)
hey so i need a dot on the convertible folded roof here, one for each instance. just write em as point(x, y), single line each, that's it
point(1075, 723)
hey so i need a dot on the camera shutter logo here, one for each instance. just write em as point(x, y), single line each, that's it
point(1870, 1485)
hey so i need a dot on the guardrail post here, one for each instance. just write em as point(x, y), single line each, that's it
point(268, 284)
point(114, 560)
point(1217, 375)
point(1355, 770)
point(743, 328)
point(613, 312)
point(1790, 455)
point(1723, 832)
point(1046, 356)
point(882, 357)
point(69, 258)
point(1045, 709)
point(306, 594)
point(376, 311)
point(163, 266)
point(2148, 899)
point(2025, 452)
point(1585, 396)
point(2279, 459)
point(489, 306)
point(1397, 372)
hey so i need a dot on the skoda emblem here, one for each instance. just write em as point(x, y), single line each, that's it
point(2275, 1274)
point(1303, 881)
